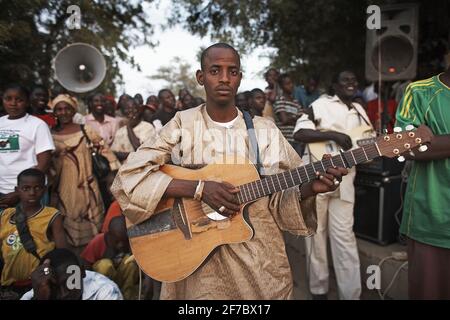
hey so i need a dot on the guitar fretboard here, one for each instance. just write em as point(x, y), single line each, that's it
point(289, 179)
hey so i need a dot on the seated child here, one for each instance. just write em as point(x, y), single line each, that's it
point(109, 254)
point(28, 232)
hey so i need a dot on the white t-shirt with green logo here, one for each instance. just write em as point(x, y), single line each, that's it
point(20, 141)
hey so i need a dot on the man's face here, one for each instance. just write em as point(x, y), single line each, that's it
point(119, 241)
point(311, 86)
point(168, 100)
point(15, 103)
point(241, 101)
point(139, 99)
point(347, 85)
point(31, 190)
point(221, 76)
point(98, 104)
point(153, 100)
point(259, 101)
point(272, 77)
point(182, 93)
point(132, 110)
point(287, 85)
point(187, 101)
point(39, 99)
point(109, 108)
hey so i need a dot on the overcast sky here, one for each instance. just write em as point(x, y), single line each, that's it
point(178, 42)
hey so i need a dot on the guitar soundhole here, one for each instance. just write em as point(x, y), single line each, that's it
point(211, 213)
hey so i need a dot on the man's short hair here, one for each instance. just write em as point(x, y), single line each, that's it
point(255, 91)
point(282, 77)
point(337, 75)
point(162, 91)
point(23, 90)
point(61, 257)
point(217, 45)
point(315, 77)
point(118, 222)
point(39, 87)
point(268, 71)
point(32, 172)
point(90, 99)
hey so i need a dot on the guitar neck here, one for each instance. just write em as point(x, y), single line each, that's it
point(289, 179)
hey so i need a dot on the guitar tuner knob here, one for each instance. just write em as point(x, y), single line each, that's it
point(423, 148)
point(409, 127)
point(397, 129)
point(401, 159)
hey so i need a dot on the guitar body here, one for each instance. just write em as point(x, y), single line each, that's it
point(167, 253)
point(318, 149)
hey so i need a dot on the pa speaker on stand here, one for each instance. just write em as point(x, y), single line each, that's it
point(391, 51)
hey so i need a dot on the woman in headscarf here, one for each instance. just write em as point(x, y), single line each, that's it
point(75, 189)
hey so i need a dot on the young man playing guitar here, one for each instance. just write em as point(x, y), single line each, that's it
point(329, 117)
point(258, 268)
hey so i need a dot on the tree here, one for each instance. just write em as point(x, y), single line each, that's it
point(179, 75)
point(310, 36)
point(33, 31)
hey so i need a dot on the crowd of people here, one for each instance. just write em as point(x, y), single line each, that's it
point(56, 204)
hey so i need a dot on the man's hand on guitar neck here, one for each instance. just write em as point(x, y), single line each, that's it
point(325, 182)
point(215, 194)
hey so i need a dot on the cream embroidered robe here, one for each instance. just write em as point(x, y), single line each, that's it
point(256, 269)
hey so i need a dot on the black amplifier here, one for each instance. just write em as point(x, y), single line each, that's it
point(378, 201)
point(382, 166)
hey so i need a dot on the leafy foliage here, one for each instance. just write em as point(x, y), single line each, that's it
point(33, 31)
point(310, 36)
point(179, 75)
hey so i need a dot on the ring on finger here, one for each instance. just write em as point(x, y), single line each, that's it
point(46, 271)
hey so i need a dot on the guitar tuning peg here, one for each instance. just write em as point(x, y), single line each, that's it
point(385, 131)
point(397, 129)
point(401, 159)
point(411, 153)
point(423, 148)
point(409, 127)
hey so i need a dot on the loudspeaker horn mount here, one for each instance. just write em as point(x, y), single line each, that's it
point(79, 67)
point(391, 52)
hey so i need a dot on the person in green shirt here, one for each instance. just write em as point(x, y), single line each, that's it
point(426, 211)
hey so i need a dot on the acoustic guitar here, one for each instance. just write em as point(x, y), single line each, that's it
point(181, 234)
point(360, 136)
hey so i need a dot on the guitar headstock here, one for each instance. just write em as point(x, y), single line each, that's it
point(394, 144)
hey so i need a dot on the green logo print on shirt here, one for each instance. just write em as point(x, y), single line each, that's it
point(9, 141)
